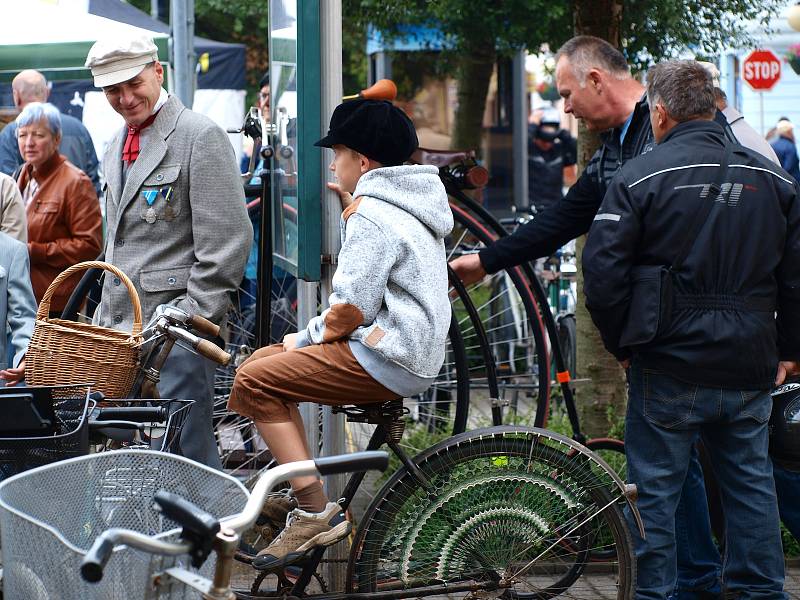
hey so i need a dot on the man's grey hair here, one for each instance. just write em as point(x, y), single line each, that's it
point(683, 87)
point(40, 111)
point(586, 52)
point(30, 86)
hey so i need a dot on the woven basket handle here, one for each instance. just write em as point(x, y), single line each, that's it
point(43, 311)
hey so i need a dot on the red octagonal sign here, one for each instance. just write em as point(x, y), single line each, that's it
point(761, 70)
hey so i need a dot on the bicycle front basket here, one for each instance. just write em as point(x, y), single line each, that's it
point(50, 516)
point(70, 436)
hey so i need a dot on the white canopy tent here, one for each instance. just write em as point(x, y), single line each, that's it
point(54, 37)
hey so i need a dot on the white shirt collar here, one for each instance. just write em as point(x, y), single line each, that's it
point(163, 96)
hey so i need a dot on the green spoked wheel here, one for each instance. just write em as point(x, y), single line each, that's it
point(506, 508)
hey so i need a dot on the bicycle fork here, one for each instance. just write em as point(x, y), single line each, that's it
point(225, 545)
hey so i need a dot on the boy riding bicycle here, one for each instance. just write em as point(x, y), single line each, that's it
point(383, 336)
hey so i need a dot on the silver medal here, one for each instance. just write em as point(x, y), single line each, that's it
point(150, 215)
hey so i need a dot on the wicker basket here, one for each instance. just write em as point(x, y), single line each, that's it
point(66, 352)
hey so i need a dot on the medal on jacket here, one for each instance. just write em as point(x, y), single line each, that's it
point(166, 193)
point(150, 197)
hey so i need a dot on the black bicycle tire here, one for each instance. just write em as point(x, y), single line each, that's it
point(364, 574)
point(479, 230)
point(462, 376)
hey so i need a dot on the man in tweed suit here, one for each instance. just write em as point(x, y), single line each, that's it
point(176, 218)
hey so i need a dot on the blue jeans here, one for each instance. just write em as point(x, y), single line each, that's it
point(699, 562)
point(664, 418)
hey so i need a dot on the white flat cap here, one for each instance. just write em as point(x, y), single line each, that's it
point(712, 70)
point(121, 58)
point(784, 126)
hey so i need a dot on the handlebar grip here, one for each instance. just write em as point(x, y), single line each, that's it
point(142, 414)
point(204, 326)
point(374, 460)
point(213, 352)
point(95, 560)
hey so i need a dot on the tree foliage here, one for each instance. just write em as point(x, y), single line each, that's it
point(235, 21)
point(657, 29)
point(651, 29)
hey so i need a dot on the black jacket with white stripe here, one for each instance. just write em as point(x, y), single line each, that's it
point(747, 252)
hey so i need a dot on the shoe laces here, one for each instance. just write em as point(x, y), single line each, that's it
point(290, 518)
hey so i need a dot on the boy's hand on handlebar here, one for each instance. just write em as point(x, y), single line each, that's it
point(468, 268)
point(13, 376)
point(346, 198)
point(289, 342)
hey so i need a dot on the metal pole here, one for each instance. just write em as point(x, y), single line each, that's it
point(154, 12)
point(519, 125)
point(383, 66)
point(183, 57)
point(331, 96)
point(761, 111)
point(307, 310)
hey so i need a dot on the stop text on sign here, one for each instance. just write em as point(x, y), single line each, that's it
point(761, 70)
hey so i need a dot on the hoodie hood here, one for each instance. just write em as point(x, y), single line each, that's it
point(416, 189)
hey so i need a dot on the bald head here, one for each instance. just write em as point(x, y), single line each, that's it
point(29, 86)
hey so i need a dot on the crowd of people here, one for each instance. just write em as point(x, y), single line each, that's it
point(703, 324)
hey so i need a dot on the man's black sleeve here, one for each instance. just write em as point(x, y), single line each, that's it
point(552, 228)
point(607, 261)
point(788, 320)
point(569, 148)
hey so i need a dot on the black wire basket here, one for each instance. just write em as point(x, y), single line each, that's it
point(66, 434)
point(158, 424)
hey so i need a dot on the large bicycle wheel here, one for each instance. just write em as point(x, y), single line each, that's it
point(241, 448)
point(512, 321)
point(508, 509)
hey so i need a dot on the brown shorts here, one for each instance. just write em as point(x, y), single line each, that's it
point(268, 382)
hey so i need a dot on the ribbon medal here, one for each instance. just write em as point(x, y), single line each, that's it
point(150, 197)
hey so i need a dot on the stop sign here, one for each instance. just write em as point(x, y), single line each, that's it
point(761, 70)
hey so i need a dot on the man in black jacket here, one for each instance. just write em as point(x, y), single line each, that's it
point(709, 367)
point(596, 84)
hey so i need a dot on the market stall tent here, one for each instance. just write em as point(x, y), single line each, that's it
point(55, 40)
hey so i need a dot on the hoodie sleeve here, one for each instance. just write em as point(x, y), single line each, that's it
point(359, 285)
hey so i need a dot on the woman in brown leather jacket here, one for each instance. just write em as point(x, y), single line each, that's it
point(64, 222)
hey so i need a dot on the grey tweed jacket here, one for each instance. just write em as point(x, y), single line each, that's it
point(178, 226)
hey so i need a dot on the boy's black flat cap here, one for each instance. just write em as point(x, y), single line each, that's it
point(375, 128)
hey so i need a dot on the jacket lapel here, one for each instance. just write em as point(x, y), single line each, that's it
point(112, 166)
point(151, 154)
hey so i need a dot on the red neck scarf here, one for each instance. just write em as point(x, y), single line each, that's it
point(130, 151)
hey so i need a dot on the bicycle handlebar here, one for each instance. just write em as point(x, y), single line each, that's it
point(141, 414)
point(205, 347)
point(204, 326)
point(98, 555)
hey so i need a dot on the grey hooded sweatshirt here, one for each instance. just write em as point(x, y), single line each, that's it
point(390, 288)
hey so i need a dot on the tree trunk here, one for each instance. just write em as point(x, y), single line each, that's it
point(474, 74)
point(601, 401)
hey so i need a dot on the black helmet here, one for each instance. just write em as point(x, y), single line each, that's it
point(549, 126)
point(784, 424)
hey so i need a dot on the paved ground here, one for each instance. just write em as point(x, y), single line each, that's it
point(598, 590)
